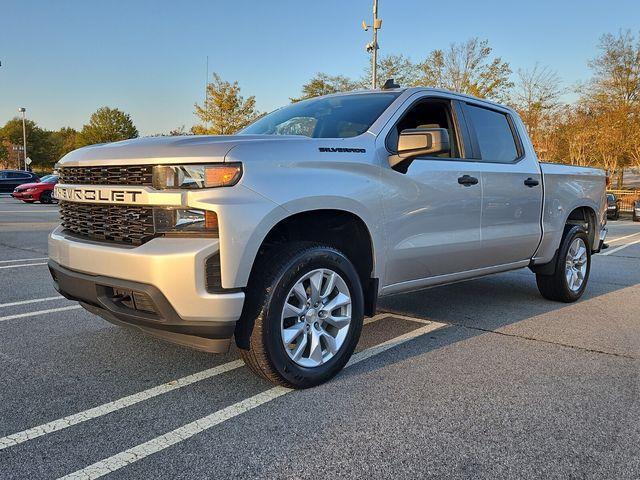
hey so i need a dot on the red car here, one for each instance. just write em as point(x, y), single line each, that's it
point(36, 192)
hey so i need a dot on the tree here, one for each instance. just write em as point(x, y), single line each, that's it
point(63, 141)
point(324, 84)
point(225, 111)
point(400, 68)
point(536, 97)
point(38, 141)
point(4, 152)
point(612, 96)
point(467, 68)
point(107, 125)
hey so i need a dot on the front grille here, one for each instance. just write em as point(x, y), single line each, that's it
point(126, 224)
point(108, 175)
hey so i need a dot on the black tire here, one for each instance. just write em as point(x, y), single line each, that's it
point(258, 333)
point(29, 201)
point(555, 287)
point(45, 197)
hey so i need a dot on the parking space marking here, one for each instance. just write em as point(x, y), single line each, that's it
point(38, 312)
point(617, 249)
point(109, 407)
point(33, 300)
point(24, 260)
point(47, 210)
point(623, 238)
point(134, 454)
point(22, 265)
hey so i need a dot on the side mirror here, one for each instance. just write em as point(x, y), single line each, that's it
point(419, 142)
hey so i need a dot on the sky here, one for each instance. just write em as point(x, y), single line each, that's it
point(62, 60)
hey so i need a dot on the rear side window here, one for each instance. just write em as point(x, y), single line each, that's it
point(495, 136)
point(20, 176)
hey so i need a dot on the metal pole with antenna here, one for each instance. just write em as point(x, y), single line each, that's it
point(372, 47)
point(374, 56)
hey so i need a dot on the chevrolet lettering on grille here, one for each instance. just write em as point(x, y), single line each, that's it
point(96, 195)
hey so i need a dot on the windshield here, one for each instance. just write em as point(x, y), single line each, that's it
point(49, 179)
point(611, 198)
point(341, 116)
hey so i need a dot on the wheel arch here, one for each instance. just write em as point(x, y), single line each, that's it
point(342, 229)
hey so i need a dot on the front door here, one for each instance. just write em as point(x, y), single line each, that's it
point(433, 207)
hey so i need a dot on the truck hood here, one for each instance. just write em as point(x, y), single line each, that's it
point(158, 150)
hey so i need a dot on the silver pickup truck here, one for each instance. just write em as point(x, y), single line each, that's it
point(285, 235)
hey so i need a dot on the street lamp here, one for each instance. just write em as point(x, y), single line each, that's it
point(24, 135)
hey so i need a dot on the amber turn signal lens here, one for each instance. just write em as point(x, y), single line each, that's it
point(222, 175)
point(210, 220)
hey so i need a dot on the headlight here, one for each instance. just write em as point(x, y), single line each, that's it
point(189, 221)
point(196, 176)
point(30, 189)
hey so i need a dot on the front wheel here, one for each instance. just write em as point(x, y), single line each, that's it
point(303, 315)
point(45, 197)
point(573, 265)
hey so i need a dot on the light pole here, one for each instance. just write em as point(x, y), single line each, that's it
point(24, 135)
point(372, 47)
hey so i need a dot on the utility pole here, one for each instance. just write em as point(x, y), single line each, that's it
point(372, 47)
point(24, 135)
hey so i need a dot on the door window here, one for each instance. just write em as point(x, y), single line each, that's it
point(494, 134)
point(19, 176)
point(427, 114)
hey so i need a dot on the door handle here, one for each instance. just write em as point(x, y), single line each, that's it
point(531, 182)
point(467, 180)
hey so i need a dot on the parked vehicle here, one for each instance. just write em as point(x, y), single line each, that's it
point(285, 235)
point(41, 191)
point(613, 207)
point(10, 179)
point(636, 211)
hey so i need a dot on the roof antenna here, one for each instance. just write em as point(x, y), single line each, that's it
point(389, 84)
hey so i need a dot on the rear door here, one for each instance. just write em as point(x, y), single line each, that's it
point(512, 186)
point(17, 178)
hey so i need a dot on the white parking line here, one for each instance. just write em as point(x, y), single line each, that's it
point(617, 249)
point(134, 454)
point(610, 240)
point(38, 312)
point(48, 210)
point(22, 265)
point(100, 410)
point(110, 407)
point(23, 260)
point(34, 300)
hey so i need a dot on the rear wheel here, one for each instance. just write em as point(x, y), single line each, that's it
point(572, 268)
point(303, 316)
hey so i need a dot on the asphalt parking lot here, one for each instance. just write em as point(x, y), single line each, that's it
point(481, 379)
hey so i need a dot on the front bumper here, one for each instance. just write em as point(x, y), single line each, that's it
point(24, 195)
point(601, 238)
point(166, 274)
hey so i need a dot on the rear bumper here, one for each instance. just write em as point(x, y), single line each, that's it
point(158, 287)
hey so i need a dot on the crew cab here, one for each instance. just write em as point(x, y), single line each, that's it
point(284, 236)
